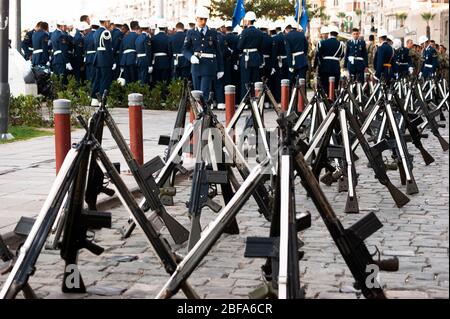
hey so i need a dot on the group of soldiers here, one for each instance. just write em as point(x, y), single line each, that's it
point(213, 55)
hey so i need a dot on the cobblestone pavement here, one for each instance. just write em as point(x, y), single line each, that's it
point(417, 234)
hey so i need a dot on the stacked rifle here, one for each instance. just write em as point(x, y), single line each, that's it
point(315, 143)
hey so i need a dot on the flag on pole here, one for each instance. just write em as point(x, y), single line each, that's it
point(239, 13)
point(301, 15)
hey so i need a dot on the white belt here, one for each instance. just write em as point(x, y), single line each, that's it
point(429, 66)
point(142, 55)
point(57, 52)
point(282, 57)
point(359, 58)
point(129, 51)
point(266, 56)
point(160, 54)
point(38, 51)
point(296, 54)
point(90, 52)
point(205, 55)
point(331, 58)
point(101, 49)
point(177, 55)
point(30, 49)
point(402, 63)
point(250, 50)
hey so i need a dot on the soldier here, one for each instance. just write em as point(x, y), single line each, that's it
point(444, 63)
point(103, 61)
point(266, 49)
point(383, 58)
point(89, 52)
point(414, 55)
point(61, 65)
point(117, 37)
point(356, 57)
point(40, 40)
point(429, 56)
point(144, 54)
point(324, 34)
point(201, 48)
point(330, 52)
point(232, 56)
point(250, 47)
point(27, 42)
point(79, 70)
point(296, 50)
point(161, 54)
point(181, 66)
point(402, 63)
point(219, 93)
point(279, 61)
point(128, 54)
point(371, 49)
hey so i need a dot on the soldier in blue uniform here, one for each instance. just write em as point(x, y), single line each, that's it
point(128, 53)
point(280, 69)
point(402, 63)
point(356, 57)
point(383, 59)
point(78, 54)
point(144, 54)
point(117, 37)
point(297, 52)
point(429, 57)
point(267, 46)
point(103, 61)
point(161, 53)
point(219, 86)
point(41, 55)
point(61, 65)
point(89, 52)
point(231, 57)
point(330, 53)
point(181, 66)
point(201, 48)
point(27, 42)
point(250, 47)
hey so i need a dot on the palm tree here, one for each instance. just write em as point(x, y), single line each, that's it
point(402, 17)
point(341, 16)
point(359, 13)
point(427, 17)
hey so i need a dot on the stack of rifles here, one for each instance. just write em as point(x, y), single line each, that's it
point(316, 140)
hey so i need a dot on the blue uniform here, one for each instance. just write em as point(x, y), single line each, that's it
point(162, 57)
point(383, 62)
point(78, 56)
point(103, 62)
point(117, 37)
point(219, 83)
point(250, 47)
point(61, 56)
point(402, 62)
point(144, 57)
point(356, 59)
point(279, 61)
point(181, 66)
point(27, 45)
point(430, 62)
point(297, 53)
point(89, 55)
point(267, 46)
point(128, 57)
point(231, 58)
point(330, 52)
point(205, 46)
point(41, 54)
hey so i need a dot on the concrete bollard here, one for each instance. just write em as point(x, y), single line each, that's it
point(301, 93)
point(259, 88)
point(332, 84)
point(285, 92)
point(135, 104)
point(61, 109)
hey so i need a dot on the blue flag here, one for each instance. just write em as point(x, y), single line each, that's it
point(239, 13)
point(304, 14)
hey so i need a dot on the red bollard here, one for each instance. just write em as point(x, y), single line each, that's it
point(285, 92)
point(332, 83)
point(190, 153)
point(135, 103)
point(61, 109)
point(259, 88)
point(230, 105)
point(301, 101)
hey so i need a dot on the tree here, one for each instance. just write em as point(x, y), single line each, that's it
point(428, 17)
point(402, 17)
point(270, 9)
point(359, 13)
point(341, 16)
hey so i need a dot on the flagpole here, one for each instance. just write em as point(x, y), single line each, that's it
point(298, 14)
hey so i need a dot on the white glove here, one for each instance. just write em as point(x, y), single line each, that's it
point(121, 70)
point(375, 78)
point(291, 70)
point(273, 71)
point(114, 66)
point(69, 67)
point(48, 63)
point(220, 75)
point(150, 70)
point(420, 75)
point(195, 60)
point(411, 70)
point(236, 67)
